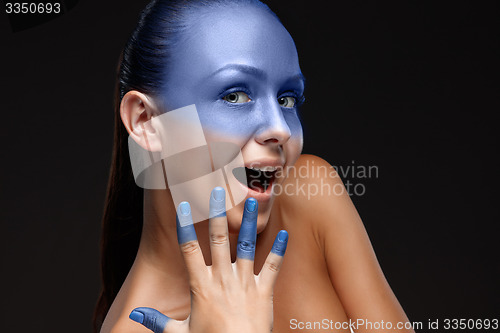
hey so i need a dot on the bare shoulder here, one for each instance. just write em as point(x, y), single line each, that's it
point(314, 192)
point(312, 179)
point(317, 195)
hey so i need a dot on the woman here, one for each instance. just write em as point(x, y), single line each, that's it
point(238, 65)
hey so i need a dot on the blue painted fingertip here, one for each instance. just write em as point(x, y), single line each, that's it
point(251, 205)
point(184, 214)
point(280, 243)
point(150, 318)
point(185, 208)
point(219, 193)
point(217, 202)
point(282, 236)
point(137, 316)
point(248, 231)
point(185, 226)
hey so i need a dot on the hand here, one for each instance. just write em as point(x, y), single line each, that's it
point(225, 297)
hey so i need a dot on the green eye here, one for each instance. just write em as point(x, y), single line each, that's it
point(237, 97)
point(287, 101)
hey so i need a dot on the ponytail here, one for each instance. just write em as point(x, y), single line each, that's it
point(121, 223)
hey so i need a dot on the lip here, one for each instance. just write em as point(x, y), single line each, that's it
point(263, 163)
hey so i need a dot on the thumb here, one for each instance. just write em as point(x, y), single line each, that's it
point(155, 320)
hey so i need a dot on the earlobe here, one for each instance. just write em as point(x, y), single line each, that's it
point(136, 112)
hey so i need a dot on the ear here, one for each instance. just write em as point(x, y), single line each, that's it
point(136, 111)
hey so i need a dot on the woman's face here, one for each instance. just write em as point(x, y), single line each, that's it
point(239, 66)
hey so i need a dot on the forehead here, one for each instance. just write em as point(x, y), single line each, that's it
point(220, 36)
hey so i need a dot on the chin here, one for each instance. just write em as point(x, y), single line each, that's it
point(262, 221)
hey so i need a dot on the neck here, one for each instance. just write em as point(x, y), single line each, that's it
point(159, 247)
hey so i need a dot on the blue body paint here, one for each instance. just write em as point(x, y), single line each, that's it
point(243, 50)
point(217, 202)
point(280, 243)
point(150, 318)
point(185, 226)
point(248, 231)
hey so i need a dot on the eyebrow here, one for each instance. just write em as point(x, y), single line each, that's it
point(254, 71)
point(299, 77)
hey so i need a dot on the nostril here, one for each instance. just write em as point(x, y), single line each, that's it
point(272, 140)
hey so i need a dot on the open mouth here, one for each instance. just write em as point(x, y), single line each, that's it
point(256, 179)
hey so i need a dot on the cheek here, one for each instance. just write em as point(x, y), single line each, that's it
point(296, 142)
point(263, 218)
point(293, 149)
point(220, 126)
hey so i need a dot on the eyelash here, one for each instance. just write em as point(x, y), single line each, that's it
point(299, 98)
point(226, 92)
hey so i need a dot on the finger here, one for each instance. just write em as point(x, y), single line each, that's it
point(190, 248)
point(245, 250)
point(270, 270)
point(151, 318)
point(219, 236)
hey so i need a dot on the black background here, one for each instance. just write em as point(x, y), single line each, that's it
point(411, 88)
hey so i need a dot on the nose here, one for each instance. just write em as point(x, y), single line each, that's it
point(274, 129)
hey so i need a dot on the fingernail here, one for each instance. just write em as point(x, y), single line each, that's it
point(217, 203)
point(184, 214)
point(282, 235)
point(280, 243)
point(185, 208)
point(136, 316)
point(251, 204)
point(150, 318)
point(218, 193)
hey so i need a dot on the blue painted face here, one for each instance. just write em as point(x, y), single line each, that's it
point(239, 66)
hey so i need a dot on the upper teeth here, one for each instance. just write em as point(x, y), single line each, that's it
point(266, 168)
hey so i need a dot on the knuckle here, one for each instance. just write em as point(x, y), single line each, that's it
point(190, 248)
point(273, 266)
point(219, 239)
point(197, 291)
point(246, 246)
point(226, 283)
